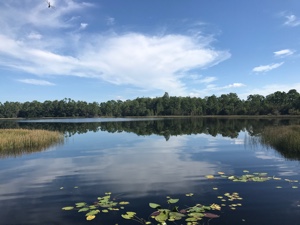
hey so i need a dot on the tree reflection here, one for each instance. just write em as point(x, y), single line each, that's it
point(163, 127)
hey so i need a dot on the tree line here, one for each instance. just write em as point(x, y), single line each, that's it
point(277, 103)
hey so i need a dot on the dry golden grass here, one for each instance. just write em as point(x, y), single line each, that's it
point(18, 141)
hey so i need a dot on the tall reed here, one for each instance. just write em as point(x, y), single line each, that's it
point(14, 142)
point(285, 139)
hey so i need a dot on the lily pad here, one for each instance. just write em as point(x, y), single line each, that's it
point(80, 204)
point(123, 203)
point(172, 201)
point(163, 216)
point(68, 208)
point(210, 176)
point(189, 194)
point(93, 212)
point(128, 215)
point(83, 209)
point(154, 205)
point(90, 217)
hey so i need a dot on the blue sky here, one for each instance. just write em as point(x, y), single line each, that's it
point(123, 49)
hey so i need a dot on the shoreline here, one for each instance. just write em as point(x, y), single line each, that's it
point(170, 116)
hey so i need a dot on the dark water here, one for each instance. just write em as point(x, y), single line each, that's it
point(143, 161)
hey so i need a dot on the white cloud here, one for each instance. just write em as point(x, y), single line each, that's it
point(83, 25)
point(266, 68)
point(149, 62)
point(34, 35)
point(36, 82)
point(292, 20)
point(234, 85)
point(269, 89)
point(283, 53)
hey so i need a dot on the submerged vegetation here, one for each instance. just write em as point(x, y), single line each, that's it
point(182, 213)
point(14, 142)
point(285, 139)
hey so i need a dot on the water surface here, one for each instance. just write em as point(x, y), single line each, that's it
point(144, 161)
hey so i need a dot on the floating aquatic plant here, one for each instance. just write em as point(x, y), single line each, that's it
point(103, 204)
point(191, 215)
point(254, 177)
point(173, 213)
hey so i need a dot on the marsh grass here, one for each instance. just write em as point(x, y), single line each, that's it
point(285, 139)
point(14, 142)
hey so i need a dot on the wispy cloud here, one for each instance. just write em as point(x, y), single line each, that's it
point(216, 90)
point(283, 53)
point(36, 82)
point(34, 35)
point(110, 21)
point(199, 79)
point(292, 20)
point(266, 68)
point(151, 62)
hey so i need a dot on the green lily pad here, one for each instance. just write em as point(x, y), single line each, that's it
point(83, 209)
point(172, 201)
point(191, 219)
point(162, 216)
point(93, 212)
point(175, 215)
point(128, 215)
point(196, 215)
point(123, 203)
point(68, 208)
point(80, 204)
point(154, 205)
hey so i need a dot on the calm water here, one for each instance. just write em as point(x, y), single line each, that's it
point(143, 161)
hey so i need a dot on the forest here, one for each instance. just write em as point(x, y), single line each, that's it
point(277, 103)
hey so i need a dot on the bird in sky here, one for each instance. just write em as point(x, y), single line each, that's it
point(49, 4)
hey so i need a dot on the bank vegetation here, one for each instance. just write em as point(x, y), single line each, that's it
point(19, 141)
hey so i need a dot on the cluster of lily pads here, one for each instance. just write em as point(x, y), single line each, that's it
point(189, 216)
point(254, 177)
point(104, 204)
point(231, 197)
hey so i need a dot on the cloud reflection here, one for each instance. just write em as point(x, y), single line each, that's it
point(151, 164)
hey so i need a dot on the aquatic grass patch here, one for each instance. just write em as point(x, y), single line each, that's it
point(14, 142)
point(284, 139)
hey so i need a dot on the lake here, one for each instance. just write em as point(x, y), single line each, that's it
point(142, 161)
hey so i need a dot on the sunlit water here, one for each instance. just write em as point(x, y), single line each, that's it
point(146, 168)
